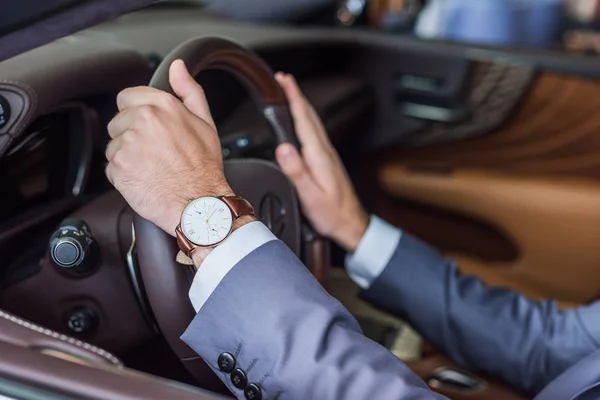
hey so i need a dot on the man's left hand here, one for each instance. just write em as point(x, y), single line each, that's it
point(165, 152)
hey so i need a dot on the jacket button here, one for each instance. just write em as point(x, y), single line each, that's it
point(253, 392)
point(226, 362)
point(239, 378)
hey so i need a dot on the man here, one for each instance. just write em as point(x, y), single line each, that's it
point(265, 325)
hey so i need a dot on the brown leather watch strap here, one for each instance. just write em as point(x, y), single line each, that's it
point(184, 244)
point(238, 205)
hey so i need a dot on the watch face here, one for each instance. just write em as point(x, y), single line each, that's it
point(206, 221)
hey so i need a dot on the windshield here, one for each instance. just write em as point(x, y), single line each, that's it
point(26, 24)
point(19, 13)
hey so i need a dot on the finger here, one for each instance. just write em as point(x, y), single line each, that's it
point(307, 124)
point(140, 96)
point(108, 172)
point(189, 91)
point(312, 113)
point(121, 123)
point(317, 150)
point(112, 147)
point(296, 170)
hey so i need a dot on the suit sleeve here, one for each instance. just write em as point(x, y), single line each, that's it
point(291, 339)
point(493, 330)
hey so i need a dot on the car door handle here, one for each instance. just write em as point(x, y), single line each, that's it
point(434, 112)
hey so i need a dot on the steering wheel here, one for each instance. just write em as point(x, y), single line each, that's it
point(167, 283)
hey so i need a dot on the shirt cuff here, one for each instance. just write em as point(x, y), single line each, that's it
point(224, 257)
point(373, 253)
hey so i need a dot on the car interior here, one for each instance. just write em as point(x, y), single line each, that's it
point(486, 152)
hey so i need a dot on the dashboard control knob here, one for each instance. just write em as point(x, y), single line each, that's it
point(4, 111)
point(81, 320)
point(72, 246)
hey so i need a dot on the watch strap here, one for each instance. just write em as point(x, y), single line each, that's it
point(184, 244)
point(238, 205)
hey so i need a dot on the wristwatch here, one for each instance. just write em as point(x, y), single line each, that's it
point(207, 221)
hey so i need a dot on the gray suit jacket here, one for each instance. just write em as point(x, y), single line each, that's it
point(293, 339)
point(493, 330)
point(297, 342)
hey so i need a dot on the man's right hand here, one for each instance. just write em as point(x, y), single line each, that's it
point(326, 194)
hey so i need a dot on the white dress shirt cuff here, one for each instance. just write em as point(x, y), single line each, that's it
point(373, 253)
point(224, 257)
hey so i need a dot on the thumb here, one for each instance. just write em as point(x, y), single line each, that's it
point(189, 91)
point(294, 167)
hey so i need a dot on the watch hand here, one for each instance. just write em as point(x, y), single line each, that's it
point(213, 213)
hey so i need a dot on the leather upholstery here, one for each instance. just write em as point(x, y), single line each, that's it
point(200, 54)
point(554, 221)
point(48, 296)
point(21, 332)
point(33, 356)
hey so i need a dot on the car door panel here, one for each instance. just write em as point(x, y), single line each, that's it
point(553, 130)
point(527, 191)
point(555, 223)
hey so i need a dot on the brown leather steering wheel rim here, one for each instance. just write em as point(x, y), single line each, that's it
point(217, 53)
point(167, 283)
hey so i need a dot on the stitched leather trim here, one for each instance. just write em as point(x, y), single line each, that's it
point(55, 335)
